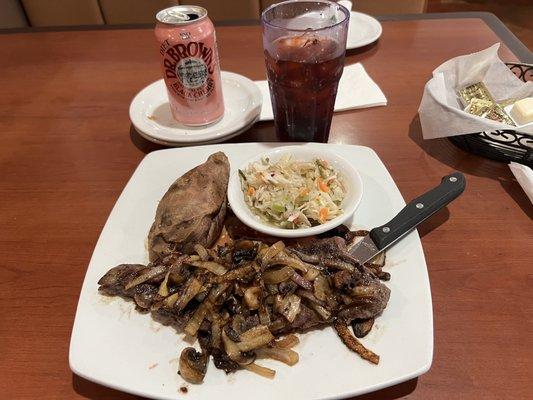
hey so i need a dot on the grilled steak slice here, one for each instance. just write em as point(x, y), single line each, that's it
point(304, 320)
point(367, 296)
point(115, 280)
point(368, 300)
point(329, 252)
point(238, 300)
point(364, 295)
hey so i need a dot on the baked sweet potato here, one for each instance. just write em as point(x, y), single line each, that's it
point(193, 209)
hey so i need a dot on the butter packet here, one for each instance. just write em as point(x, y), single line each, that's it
point(479, 107)
point(479, 101)
point(487, 109)
point(474, 91)
point(497, 113)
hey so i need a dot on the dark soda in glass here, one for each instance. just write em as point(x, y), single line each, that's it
point(303, 77)
point(304, 44)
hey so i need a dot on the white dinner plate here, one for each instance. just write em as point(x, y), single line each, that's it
point(116, 346)
point(363, 29)
point(151, 116)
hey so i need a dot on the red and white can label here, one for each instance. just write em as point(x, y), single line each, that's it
point(189, 70)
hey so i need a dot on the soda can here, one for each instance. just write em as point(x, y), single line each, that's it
point(190, 65)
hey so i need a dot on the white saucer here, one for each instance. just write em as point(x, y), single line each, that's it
point(362, 30)
point(150, 113)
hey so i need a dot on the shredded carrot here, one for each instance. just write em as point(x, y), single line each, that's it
point(322, 185)
point(304, 191)
point(250, 191)
point(323, 214)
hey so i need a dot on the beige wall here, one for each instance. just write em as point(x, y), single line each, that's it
point(382, 7)
point(132, 11)
point(12, 14)
point(63, 12)
point(97, 12)
point(220, 10)
point(378, 7)
point(143, 11)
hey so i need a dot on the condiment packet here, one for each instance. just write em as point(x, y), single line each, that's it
point(480, 102)
point(479, 107)
point(476, 91)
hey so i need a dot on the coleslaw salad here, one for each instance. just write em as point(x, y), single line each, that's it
point(293, 194)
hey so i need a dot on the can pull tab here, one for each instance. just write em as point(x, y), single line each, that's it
point(174, 16)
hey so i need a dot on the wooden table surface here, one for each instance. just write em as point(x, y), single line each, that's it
point(67, 150)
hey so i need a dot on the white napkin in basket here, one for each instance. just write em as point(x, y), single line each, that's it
point(441, 113)
point(524, 176)
point(356, 90)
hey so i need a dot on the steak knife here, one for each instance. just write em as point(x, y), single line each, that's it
point(415, 212)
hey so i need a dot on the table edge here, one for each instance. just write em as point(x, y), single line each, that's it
point(498, 27)
point(494, 23)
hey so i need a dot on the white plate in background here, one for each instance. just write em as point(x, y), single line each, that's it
point(363, 29)
point(151, 116)
point(116, 346)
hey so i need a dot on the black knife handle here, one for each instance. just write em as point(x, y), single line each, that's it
point(418, 210)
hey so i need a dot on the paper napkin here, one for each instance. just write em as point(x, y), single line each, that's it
point(356, 90)
point(524, 176)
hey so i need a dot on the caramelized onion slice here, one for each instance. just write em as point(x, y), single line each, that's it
point(252, 297)
point(288, 306)
point(254, 338)
point(271, 252)
point(264, 314)
point(325, 314)
point(197, 318)
point(163, 288)
point(230, 346)
point(152, 273)
point(321, 288)
point(211, 266)
point(259, 370)
point(286, 356)
point(234, 353)
point(215, 293)
point(171, 300)
point(192, 288)
point(311, 274)
point(298, 279)
point(283, 258)
point(201, 251)
point(287, 342)
point(278, 276)
point(237, 273)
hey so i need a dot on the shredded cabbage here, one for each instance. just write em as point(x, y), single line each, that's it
point(293, 194)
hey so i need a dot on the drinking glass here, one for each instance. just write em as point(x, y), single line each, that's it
point(304, 44)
